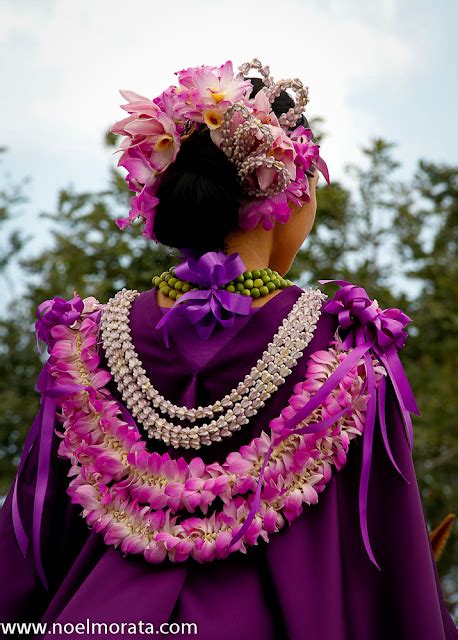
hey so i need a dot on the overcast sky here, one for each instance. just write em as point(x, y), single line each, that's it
point(384, 68)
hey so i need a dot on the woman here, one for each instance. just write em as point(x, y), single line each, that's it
point(252, 536)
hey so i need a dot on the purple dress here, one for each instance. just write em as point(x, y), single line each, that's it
point(313, 579)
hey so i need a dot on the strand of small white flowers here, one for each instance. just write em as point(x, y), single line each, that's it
point(266, 376)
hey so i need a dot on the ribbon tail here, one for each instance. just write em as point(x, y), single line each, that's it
point(398, 374)
point(44, 457)
point(331, 383)
point(256, 501)
point(18, 526)
point(381, 414)
point(315, 427)
point(403, 391)
point(19, 531)
point(368, 435)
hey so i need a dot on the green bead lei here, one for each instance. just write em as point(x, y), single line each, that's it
point(255, 284)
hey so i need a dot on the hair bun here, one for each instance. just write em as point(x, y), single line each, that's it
point(199, 197)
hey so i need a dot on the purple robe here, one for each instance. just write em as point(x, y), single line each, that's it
point(313, 579)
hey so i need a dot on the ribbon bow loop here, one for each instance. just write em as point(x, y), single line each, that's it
point(205, 308)
point(365, 321)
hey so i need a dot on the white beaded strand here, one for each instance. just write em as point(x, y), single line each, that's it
point(264, 379)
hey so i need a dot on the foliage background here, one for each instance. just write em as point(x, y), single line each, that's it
point(381, 233)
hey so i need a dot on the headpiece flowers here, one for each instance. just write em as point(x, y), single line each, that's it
point(273, 156)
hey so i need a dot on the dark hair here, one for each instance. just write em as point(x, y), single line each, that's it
point(200, 193)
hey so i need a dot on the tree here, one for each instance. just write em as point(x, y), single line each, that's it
point(427, 239)
point(11, 196)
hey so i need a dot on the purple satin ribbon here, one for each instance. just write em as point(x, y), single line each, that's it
point(365, 322)
point(205, 308)
point(369, 328)
point(42, 426)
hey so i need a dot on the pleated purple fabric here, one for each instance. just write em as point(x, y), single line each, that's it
point(313, 579)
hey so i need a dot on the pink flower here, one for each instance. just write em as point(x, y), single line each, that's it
point(236, 464)
point(155, 552)
point(292, 507)
point(282, 149)
point(170, 102)
point(134, 543)
point(149, 127)
point(115, 532)
point(57, 311)
point(266, 211)
point(270, 520)
point(87, 496)
point(212, 86)
point(142, 206)
point(263, 109)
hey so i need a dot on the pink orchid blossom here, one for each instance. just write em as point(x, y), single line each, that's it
point(149, 127)
point(209, 87)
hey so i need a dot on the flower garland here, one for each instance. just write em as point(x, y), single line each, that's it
point(134, 497)
point(141, 501)
point(273, 155)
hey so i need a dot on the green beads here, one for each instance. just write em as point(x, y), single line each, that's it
point(255, 284)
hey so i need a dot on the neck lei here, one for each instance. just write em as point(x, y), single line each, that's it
point(255, 284)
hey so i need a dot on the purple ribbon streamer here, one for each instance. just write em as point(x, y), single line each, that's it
point(205, 308)
point(381, 414)
point(43, 425)
point(368, 437)
point(18, 527)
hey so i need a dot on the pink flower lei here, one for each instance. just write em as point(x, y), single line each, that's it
point(150, 504)
point(272, 161)
point(139, 500)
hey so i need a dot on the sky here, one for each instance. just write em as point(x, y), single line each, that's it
point(385, 68)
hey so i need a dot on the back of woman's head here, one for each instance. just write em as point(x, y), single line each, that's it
point(200, 194)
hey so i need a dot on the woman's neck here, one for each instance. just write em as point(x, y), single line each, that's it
point(254, 246)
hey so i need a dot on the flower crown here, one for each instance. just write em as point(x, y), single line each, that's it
point(272, 155)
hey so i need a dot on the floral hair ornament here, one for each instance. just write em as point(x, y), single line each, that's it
point(273, 155)
point(205, 308)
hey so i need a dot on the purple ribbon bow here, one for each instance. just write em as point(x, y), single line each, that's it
point(205, 308)
point(368, 328)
